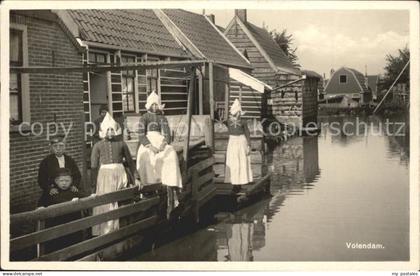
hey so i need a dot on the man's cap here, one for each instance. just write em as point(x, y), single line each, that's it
point(62, 172)
point(57, 139)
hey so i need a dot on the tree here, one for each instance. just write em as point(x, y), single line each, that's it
point(285, 41)
point(393, 67)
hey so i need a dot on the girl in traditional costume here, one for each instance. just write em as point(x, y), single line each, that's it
point(107, 156)
point(157, 161)
point(238, 162)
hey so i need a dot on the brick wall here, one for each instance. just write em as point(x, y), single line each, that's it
point(53, 97)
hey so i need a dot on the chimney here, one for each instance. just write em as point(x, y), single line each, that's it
point(212, 18)
point(241, 14)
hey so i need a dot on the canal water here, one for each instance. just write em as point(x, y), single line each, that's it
point(329, 193)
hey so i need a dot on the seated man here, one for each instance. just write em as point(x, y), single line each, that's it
point(50, 164)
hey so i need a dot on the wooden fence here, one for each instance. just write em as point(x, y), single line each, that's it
point(138, 216)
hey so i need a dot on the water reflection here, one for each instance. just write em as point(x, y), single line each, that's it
point(243, 232)
point(327, 191)
point(295, 165)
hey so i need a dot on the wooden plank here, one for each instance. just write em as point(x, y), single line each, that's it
point(258, 184)
point(201, 165)
point(151, 188)
point(200, 93)
point(189, 114)
point(220, 157)
point(105, 67)
point(203, 179)
point(211, 96)
point(206, 194)
point(73, 206)
point(219, 169)
point(132, 242)
point(99, 241)
point(77, 225)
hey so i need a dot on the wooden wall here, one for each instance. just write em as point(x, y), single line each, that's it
point(285, 107)
point(310, 101)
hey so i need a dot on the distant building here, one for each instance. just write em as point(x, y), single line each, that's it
point(349, 82)
point(339, 102)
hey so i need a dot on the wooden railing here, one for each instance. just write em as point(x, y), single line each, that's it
point(43, 235)
point(139, 215)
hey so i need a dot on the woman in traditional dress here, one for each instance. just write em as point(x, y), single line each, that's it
point(107, 156)
point(157, 161)
point(238, 162)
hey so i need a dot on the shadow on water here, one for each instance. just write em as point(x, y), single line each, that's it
point(327, 192)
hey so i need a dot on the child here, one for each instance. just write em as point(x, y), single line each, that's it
point(107, 158)
point(63, 182)
point(238, 162)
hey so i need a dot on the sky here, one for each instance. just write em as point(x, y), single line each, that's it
point(330, 39)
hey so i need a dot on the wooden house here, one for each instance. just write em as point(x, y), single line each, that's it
point(350, 82)
point(272, 66)
point(134, 36)
point(41, 104)
point(110, 70)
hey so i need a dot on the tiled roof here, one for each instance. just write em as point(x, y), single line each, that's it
point(138, 30)
point(272, 49)
point(360, 78)
point(211, 43)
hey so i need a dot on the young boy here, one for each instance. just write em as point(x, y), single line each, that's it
point(63, 181)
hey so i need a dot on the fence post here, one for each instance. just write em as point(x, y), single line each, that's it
point(40, 249)
point(194, 195)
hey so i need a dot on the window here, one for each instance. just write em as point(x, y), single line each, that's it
point(152, 77)
point(343, 79)
point(128, 87)
point(97, 58)
point(18, 97)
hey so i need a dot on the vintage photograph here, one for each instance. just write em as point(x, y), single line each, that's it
point(208, 135)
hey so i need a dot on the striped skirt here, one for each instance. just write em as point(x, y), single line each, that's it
point(111, 178)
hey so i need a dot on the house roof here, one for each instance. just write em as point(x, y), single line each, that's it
point(207, 38)
point(54, 16)
point(271, 48)
point(359, 78)
point(312, 74)
point(138, 30)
